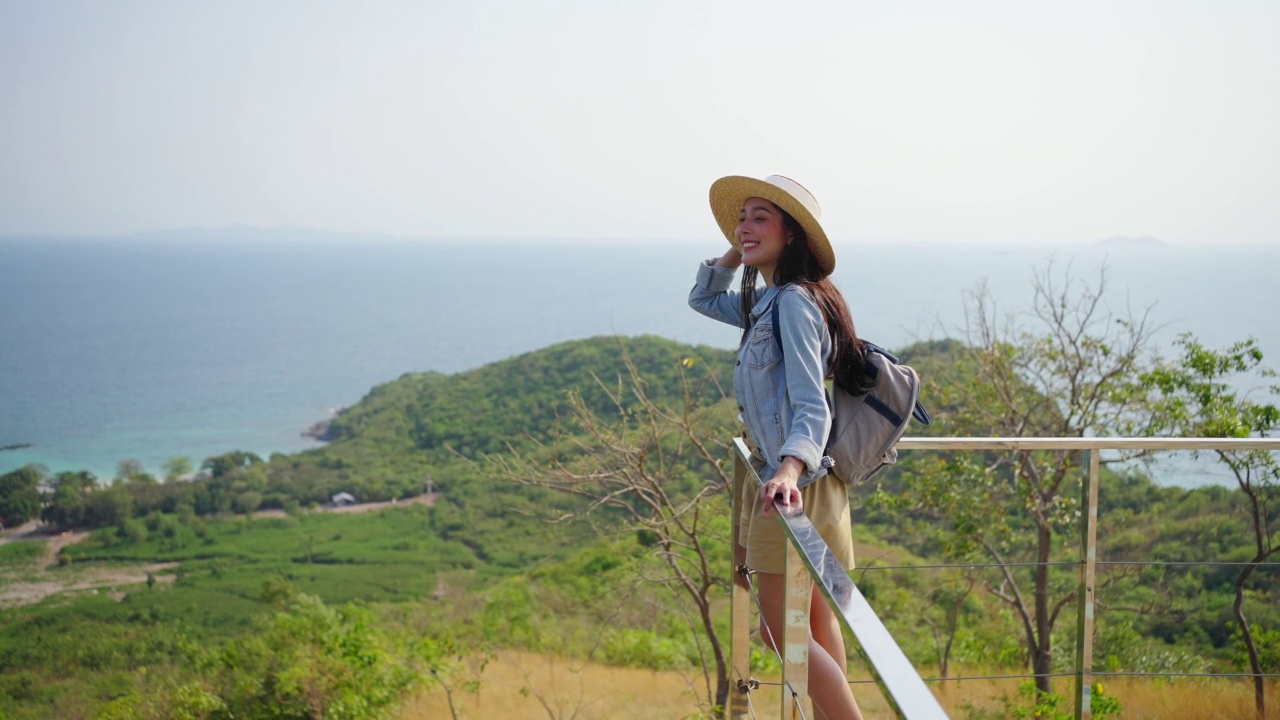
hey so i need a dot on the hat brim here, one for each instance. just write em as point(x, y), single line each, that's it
point(728, 194)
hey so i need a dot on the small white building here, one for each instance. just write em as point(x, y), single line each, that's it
point(342, 499)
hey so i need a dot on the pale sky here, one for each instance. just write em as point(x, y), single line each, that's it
point(1008, 122)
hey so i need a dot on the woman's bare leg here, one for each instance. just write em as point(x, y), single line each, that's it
point(828, 683)
point(826, 629)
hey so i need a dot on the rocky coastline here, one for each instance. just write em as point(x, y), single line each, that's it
point(319, 431)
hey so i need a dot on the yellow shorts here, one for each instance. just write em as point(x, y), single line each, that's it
point(826, 503)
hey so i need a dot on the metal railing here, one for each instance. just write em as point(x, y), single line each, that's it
point(809, 561)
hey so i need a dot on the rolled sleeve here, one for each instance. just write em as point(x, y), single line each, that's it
point(804, 345)
point(711, 294)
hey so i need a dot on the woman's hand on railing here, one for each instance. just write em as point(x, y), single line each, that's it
point(782, 487)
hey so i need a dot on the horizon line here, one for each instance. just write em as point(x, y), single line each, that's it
point(305, 232)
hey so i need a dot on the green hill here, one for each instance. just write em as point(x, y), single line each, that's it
point(429, 423)
point(430, 426)
point(211, 578)
point(482, 567)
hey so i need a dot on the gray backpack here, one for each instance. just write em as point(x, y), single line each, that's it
point(865, 428)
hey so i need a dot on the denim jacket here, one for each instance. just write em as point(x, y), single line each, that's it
point(783, 405)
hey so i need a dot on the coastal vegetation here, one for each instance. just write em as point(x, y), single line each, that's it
point(571, 502)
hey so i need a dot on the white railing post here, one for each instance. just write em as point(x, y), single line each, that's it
point(739, 707)
point(794, 645)
point(1088, 576)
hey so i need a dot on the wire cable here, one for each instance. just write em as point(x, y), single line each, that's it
point(1069, 563)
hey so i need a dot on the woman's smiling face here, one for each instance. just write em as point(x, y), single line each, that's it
point(762, 235)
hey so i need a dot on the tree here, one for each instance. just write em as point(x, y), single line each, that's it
point(220, 465)
point(176, 468)
point(949, 601)
point(306, 661)
point(130, 468)
point(109, 506)
point(247, 502)
point(1071, 368)
point(1198, 399)
point(66, 508)
point(20, 497)
point(658, 472)
point(455, 667)
point(163, 694)
point(313, 661)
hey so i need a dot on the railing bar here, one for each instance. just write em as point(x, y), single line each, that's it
point(1173, 674)
point(1211, 563)
point(1101, 674)
point(1101, 443)
point(1064, 563)
point(1095, 674)
point(978, 677)
point(860, 568)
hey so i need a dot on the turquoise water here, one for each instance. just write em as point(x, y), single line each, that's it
point(147, 349)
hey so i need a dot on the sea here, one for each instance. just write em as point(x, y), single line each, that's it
point(195, 343)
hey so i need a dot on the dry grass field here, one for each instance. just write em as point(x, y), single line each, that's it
point(1143, 699)
point(516, 686)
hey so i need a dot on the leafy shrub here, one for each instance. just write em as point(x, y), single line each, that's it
point(132, 531)
point(641, 648)
point(1030, 704)
point(1267, 642)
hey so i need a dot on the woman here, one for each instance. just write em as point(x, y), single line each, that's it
point(772, 227)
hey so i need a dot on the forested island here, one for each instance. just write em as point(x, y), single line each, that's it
point(529, 506)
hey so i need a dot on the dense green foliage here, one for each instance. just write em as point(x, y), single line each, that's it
point(247, 610)
point(19, 496)
point(480, 530)
point(429, 423)
point(423, 427)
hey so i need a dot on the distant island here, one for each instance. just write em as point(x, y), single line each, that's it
point(16, 446)
point(222, 233)
point(241, 231)
point(1132, 241)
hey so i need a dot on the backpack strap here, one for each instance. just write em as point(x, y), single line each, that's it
point(921, 415)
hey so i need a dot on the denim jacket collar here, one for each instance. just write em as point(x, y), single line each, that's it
point(762, 304)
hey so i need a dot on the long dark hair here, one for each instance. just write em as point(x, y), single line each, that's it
point(798, 266)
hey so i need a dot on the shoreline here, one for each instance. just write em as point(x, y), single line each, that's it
point(319, 430)
point(280, 442)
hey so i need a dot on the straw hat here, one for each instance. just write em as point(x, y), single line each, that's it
point(729, 193)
